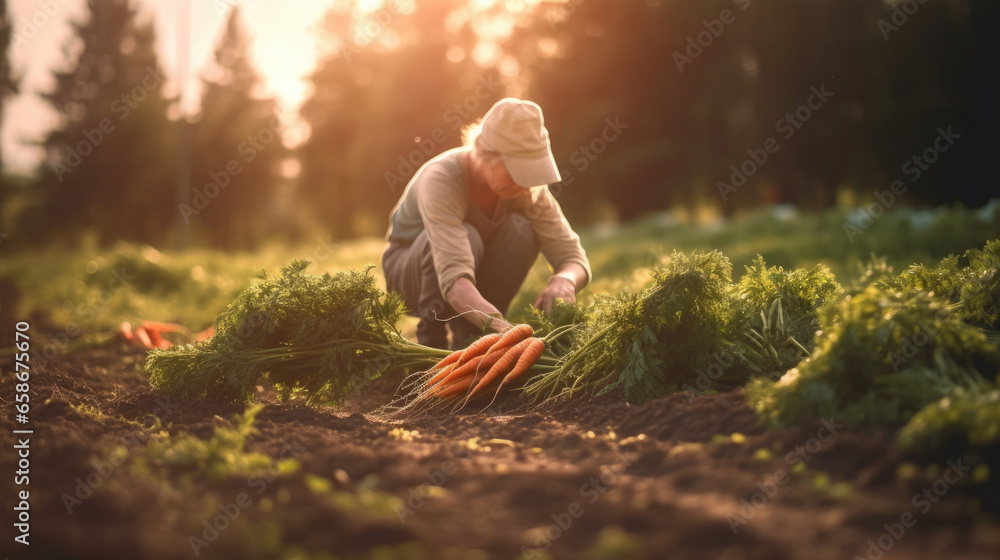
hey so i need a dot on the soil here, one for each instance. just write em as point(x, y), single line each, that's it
point(590, 479)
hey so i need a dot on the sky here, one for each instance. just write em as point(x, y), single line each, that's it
point(285, 55)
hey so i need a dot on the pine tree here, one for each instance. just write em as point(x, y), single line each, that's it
point(8, 87)
point(383, 102)
point(238, 147)
point(108, 163)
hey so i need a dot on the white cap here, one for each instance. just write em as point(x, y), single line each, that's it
point(515, 129)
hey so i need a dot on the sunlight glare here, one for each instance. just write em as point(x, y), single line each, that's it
point(290, 168)
point(367, 6)
point(481, 5)
point(455, 53)
point(486, 54)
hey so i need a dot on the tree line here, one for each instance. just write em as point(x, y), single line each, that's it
point(650, 105)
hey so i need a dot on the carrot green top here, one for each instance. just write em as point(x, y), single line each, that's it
point(436, 200)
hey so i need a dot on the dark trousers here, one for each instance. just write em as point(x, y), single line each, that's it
point(503, 258)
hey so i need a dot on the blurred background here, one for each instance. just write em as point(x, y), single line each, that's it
point(328, 106)
point(139, 131)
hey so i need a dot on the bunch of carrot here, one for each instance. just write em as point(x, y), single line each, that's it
point(149, 334)
point(468, 373)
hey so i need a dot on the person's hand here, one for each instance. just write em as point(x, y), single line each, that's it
point(558, 287)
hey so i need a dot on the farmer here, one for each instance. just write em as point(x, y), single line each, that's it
point(471, 222)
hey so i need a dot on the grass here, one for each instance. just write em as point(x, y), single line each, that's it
point(222, 456)
point(79, 287)
point(85, 287)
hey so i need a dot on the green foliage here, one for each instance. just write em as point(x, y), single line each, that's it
point(870, 271)
point(944, 280)
point(798, 241)
point(614, 543)
point(801, 291)
point(981, 289)
point(976, 286)
point(785, 301)
point(319, 336)
point(366, 500)
point(219, 457)
point(206, 281)
point(963, 419)
point(568, 316)
point(302, 310)
point(141, 275)
point(770, 349)
point(882, 357)
point(649, 342)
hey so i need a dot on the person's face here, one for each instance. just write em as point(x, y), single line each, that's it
point(502, 184)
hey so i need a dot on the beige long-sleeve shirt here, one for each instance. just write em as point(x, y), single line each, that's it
point(437, 200)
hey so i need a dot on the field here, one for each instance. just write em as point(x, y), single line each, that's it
point(118, 469)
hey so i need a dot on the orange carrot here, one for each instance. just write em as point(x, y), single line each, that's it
point(531, 354)
point(448, 360)
point(125, 331)
point(478, 348)
point(155, 339)
point(501, 366)
point(439, 375)
point(142, 338)
point(474, 365)
point(163, 327)
point(205, 334)
point(527, 359)
point(453, 389)
point(515, 334)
